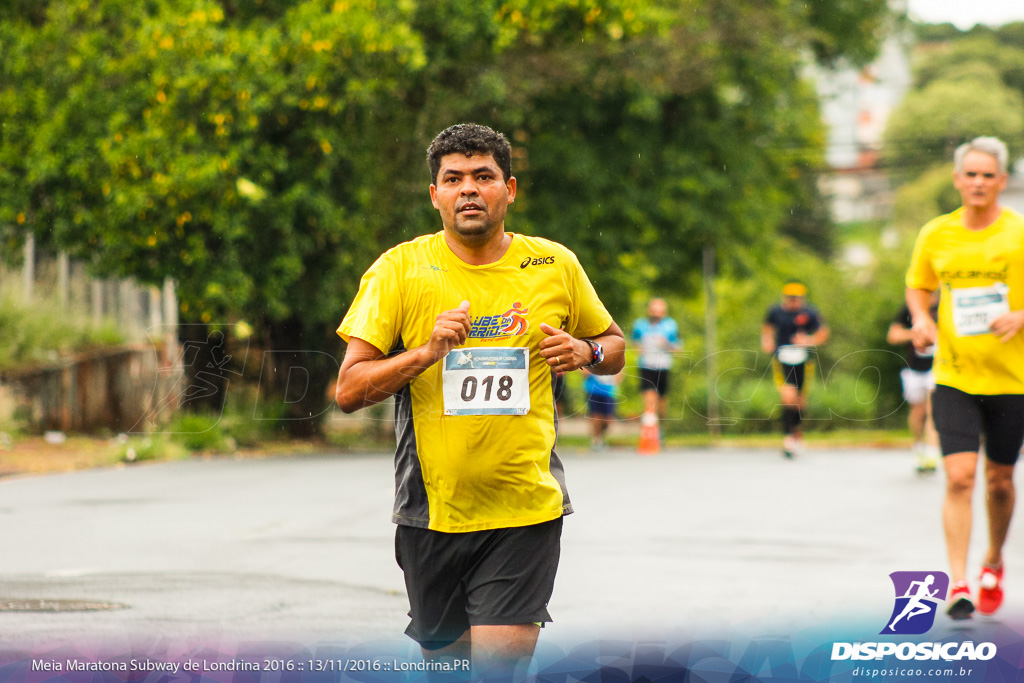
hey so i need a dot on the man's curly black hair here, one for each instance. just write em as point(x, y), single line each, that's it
point(470, 139)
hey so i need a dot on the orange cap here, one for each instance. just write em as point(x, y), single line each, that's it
point(794, 289)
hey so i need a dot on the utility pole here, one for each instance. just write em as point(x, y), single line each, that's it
point(711, 339)
point(29, 271)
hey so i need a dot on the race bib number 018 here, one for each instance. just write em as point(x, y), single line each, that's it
point(486, 381)
point(974, 308)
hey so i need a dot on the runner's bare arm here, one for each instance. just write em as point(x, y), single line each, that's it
point(924, 331)
point(565, 353)
point(819, 337)
point(898, 334)
point(804, 339)
point(767, 338)
point(367, 377)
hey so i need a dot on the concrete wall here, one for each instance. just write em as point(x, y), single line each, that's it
point(119, 390)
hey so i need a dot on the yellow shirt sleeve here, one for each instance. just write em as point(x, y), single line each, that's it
point(921, 275)
point(590, 317)
point(376, 313)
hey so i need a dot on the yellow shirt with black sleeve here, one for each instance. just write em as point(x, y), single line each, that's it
point(973, 266)
point(475, 444)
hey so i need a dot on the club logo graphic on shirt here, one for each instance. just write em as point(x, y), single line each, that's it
point(918, 595)
point(511, 323)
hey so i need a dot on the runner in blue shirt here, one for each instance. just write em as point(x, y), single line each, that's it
point(657, 338)
point(602, 397)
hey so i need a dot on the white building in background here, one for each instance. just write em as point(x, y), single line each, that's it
point(1013, 195)
point(856, 104)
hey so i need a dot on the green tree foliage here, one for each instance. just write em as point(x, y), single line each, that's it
point(931, 122)
point(264, 153)
point(967, 86)
point(846, 29)
point(931, 194)
point(1011, 35)
point(935, 33)
point(1004, 57)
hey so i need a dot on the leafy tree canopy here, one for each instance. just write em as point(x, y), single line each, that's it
point(929, 124)
point(965, 84)
point(1007, 61)
point(263, 153)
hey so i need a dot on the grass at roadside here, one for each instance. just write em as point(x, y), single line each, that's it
point(877, 438)
point(35, 456)
point(844, 438)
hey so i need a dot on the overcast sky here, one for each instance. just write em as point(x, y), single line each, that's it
point(966, 13)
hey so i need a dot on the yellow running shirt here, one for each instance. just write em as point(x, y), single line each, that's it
point(476, 430)
point(981, 274)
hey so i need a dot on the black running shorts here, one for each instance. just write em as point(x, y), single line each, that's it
point(961, 418)
point(794, 375)
point(601, 405)
point(477, 578)
point(654, 380)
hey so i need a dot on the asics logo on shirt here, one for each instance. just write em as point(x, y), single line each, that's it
point(541, 261)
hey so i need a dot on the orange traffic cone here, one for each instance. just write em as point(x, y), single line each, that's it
point(650, 441)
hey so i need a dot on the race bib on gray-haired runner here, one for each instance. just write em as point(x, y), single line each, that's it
point(975, 308)
point(486, 381)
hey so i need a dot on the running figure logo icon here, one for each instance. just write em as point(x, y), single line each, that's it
point(918, 595)
point(514, 322)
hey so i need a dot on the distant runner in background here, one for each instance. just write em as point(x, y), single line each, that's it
point(790, 331)
point(602, 397)
point(657, 338)
point(918, 383)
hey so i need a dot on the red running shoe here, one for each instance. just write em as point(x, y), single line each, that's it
point(990, 595)
point(959, 606)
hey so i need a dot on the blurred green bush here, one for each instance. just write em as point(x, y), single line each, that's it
point(42, 332)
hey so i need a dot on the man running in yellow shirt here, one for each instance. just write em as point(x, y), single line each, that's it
point(465, 327)
point(976, 256)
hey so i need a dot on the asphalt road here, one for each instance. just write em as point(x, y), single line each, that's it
point(300, 549)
